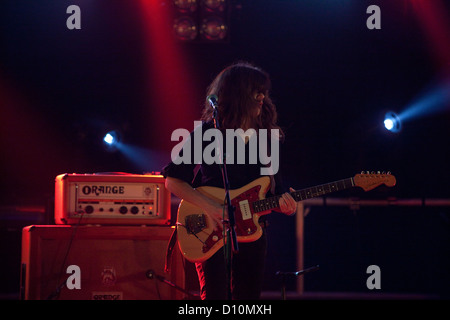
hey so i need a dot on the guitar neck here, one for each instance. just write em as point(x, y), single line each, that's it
point(303, 194)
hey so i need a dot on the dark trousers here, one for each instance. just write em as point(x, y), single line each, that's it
point(246, 276)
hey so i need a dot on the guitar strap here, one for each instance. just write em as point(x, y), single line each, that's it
point(170, 246)
point(173, 237)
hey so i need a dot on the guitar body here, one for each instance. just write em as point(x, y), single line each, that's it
point(196, 236)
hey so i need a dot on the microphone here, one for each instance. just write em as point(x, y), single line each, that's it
point(212, 99)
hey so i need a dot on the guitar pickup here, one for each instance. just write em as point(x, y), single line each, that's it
point(245, 210)
point(195, 223)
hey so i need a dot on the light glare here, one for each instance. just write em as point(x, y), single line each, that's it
point(392, 122)
point(109, 139)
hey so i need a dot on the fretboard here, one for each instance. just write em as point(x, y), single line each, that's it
point(308, 193)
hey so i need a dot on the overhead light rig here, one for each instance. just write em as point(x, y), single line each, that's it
point(202, 20)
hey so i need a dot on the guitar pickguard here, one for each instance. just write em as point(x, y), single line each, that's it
point(245, 225)
point(195, 223)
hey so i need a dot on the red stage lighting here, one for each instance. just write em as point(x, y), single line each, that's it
point(434, 19)
point(171, 87)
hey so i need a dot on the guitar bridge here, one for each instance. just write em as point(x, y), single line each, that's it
point(195, 223)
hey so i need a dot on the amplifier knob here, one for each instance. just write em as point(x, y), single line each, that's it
point(123, 210)
point(89, 209)
point(134, 210)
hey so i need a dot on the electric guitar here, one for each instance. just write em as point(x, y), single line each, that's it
point(198, 240)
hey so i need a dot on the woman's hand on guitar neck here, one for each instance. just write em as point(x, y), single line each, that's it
point(288, 205)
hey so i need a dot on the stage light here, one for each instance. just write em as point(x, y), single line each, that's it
point(111, 140)
point(213, 28)
point(392, 122)
point(185, 5)
point(214, 5)
point(209, 18)
point(185, 28)
point(388, 124)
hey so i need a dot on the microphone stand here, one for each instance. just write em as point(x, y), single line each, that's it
point(150, 274)
point(231, 230)
point(284, 275)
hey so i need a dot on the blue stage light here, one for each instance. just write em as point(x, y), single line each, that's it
point(392, 122)
point(389, 124)
point(111, 140)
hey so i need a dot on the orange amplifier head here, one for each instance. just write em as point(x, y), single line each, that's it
point(113, 198)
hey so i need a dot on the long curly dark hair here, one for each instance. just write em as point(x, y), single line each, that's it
point(236, 87)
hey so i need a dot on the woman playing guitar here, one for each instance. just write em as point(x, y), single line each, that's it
point(243, 102)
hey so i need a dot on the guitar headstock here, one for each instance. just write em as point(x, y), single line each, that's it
point(369, 181)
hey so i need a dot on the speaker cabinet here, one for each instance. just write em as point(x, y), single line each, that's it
point(99, 262)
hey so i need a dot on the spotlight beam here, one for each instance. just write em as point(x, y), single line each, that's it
point(437, 100)
point(171, 82)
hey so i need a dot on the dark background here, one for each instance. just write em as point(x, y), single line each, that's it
point(333, 80)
